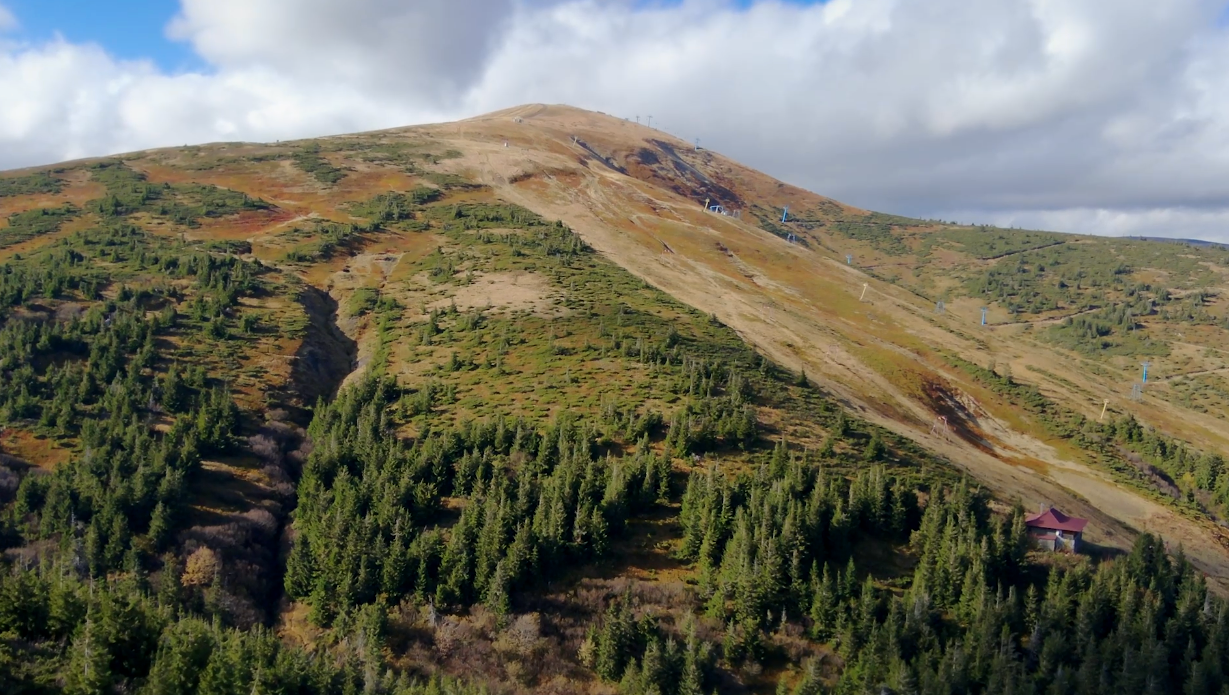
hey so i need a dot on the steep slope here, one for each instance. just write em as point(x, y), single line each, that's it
point(871, 338)
point(503, 399)
point(866, 330)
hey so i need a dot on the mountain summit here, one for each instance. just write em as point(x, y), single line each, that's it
point(547, 400)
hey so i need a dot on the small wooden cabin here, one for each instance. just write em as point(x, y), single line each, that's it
point(1052, 530)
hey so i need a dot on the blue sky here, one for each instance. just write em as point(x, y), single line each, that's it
point(128, 29)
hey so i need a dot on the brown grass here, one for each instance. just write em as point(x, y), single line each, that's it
point(36, 449)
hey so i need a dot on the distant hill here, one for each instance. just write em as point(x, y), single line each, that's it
point(548, 401)
point(1192, 242)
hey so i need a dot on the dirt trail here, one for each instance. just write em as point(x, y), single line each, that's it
point(799, 306)
point(1051, 321)
point(1202, 372)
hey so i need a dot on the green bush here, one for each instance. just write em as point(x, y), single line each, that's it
point(37, 222)
point(310, 161)
point(32, 184)
point(362, 301)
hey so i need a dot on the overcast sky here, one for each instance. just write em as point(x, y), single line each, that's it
point(1101, 116)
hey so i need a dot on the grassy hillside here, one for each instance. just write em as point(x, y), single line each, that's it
point(386, 413)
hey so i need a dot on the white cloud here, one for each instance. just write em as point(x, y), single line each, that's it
point(65, 101)
point(1073, 114)
point(1180, 223)
point(429, 48)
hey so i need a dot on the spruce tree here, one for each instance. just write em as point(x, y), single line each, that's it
point(89, 663)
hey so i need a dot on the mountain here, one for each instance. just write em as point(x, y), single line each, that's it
point(546, 400)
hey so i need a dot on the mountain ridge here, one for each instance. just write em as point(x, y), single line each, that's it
point(667, 254)
point(482, 396)
point(651, 266)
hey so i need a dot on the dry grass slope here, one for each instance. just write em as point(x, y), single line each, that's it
point(866, 333)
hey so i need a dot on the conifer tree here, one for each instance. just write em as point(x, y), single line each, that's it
point(89, 665)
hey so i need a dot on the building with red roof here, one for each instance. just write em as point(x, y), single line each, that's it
point(1050, 529)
